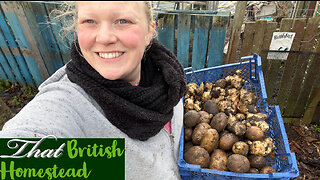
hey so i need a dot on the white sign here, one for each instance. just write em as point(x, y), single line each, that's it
point(281, 41)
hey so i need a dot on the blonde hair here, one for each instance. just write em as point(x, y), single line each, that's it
point(67, 14)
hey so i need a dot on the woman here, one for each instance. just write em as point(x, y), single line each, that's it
point(120, 83)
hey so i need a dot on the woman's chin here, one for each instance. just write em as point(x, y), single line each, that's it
point(110, 75)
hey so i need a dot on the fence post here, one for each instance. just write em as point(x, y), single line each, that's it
point(236, 30)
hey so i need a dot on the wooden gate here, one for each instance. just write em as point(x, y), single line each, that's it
point(291, 83)
point(32, 50)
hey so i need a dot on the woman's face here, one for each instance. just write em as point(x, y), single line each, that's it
point(113, 36)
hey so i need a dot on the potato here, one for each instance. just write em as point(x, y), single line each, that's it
point(192, 88)
point(205, 117)
point(238, 128)
point(227, 141)
point(198, 156)
point(257, 117)
point(208, 86)
point(223, 105)
point(252, 108)
point(253, 171)
point(219, 121)
point(242, 107)
point(210, 107)
point(191, 118)
point(257, 161)
point(254, 133)
point(240, 147)
point(263, 148)
point(268, 170)
point(231, 120)
point(240, 117)
point(206, 96)
point(238, 163)
point(197, 105)
point(210, 140)
point(235, 81)
point(188, 104)
point(218, 160)
point(263, 125)
point(198, 132)
point(200, 90)
point(220, 83)
point(223, 133)
point(216, 92)
point(248, 97)
point(187, 146)
point(187, 134)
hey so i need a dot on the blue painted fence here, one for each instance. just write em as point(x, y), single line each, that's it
point(31, 49)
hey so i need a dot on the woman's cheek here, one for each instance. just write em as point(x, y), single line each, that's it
point(133, 38)
point(85, 37)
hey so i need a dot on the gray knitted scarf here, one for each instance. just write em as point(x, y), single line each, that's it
point(139, 111)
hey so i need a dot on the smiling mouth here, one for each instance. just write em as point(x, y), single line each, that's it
point(110, 55)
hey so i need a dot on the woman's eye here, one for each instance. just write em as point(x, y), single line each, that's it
point(123, 21)
point(89, 21)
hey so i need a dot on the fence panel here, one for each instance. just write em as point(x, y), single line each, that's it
point(166, 30)
point(290, 64)
point(184, 21)
point(311, 74)
point(306, 46)
point(275, 66)
point(271, 27)
point(26, 48)
point(200, 42)
point(217, 39)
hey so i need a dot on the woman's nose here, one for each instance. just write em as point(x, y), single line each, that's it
point(106, 34)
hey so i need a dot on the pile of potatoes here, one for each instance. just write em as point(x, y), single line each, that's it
point(223, 129)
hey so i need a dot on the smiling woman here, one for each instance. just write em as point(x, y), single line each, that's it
point(120, 83)
point(112, 48)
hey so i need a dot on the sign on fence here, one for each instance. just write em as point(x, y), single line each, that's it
point(281, 41)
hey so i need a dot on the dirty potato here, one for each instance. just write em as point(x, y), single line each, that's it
point(210, 140)
point(227, 141)
point(210, 107)
point(198, 132)
point(205, 117)
point(219, 121)
point(254, 133)
point(268, 170)
point(238, 163)
point(257, 161)
point(198, 156)
point(191, 118)
point(218, 160)
point(187, 134)
point(240, 147)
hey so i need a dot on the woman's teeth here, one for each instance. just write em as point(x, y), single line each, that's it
point(110, 55)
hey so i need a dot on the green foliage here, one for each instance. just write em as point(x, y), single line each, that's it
point(7, 83)
point(316, 128)
point(29, 91)
point(4, 84)
point(16, 101)
point(17, 95)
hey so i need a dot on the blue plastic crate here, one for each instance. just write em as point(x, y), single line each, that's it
point(285, 162)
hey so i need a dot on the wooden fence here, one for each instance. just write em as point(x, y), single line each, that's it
point(32, 50)
point(293, 83)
